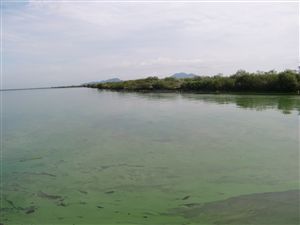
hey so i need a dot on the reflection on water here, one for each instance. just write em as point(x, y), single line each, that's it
point(82, 156)
point(285, 103)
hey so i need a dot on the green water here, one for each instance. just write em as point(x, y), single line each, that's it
point(83, 156)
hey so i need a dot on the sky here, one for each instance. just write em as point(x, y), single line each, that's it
point(51, 43)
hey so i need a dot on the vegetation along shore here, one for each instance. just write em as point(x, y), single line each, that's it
point(287, 81)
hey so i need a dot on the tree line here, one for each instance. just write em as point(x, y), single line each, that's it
point(287, 81)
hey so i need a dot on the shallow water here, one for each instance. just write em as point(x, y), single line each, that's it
point(83, 156)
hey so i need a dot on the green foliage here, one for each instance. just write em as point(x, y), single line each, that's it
point(241, 81)
point(288, 81)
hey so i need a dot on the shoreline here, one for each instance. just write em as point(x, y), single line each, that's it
point(38, 88)
point(179, 91)
point(196, 92)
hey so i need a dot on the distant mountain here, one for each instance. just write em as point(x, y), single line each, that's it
point(112, 80)
point(182, 75)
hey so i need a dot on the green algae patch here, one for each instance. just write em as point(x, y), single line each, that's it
point(260, 208)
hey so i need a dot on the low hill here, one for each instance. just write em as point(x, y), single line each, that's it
point(112, 80)
point(183, 75)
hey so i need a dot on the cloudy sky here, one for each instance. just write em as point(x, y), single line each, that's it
point(58, 43)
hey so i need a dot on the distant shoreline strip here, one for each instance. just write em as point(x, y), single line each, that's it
point(38, 88)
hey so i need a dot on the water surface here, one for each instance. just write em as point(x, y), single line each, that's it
point(83, 156)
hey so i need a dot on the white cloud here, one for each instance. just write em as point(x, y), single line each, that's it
point(65, 43)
